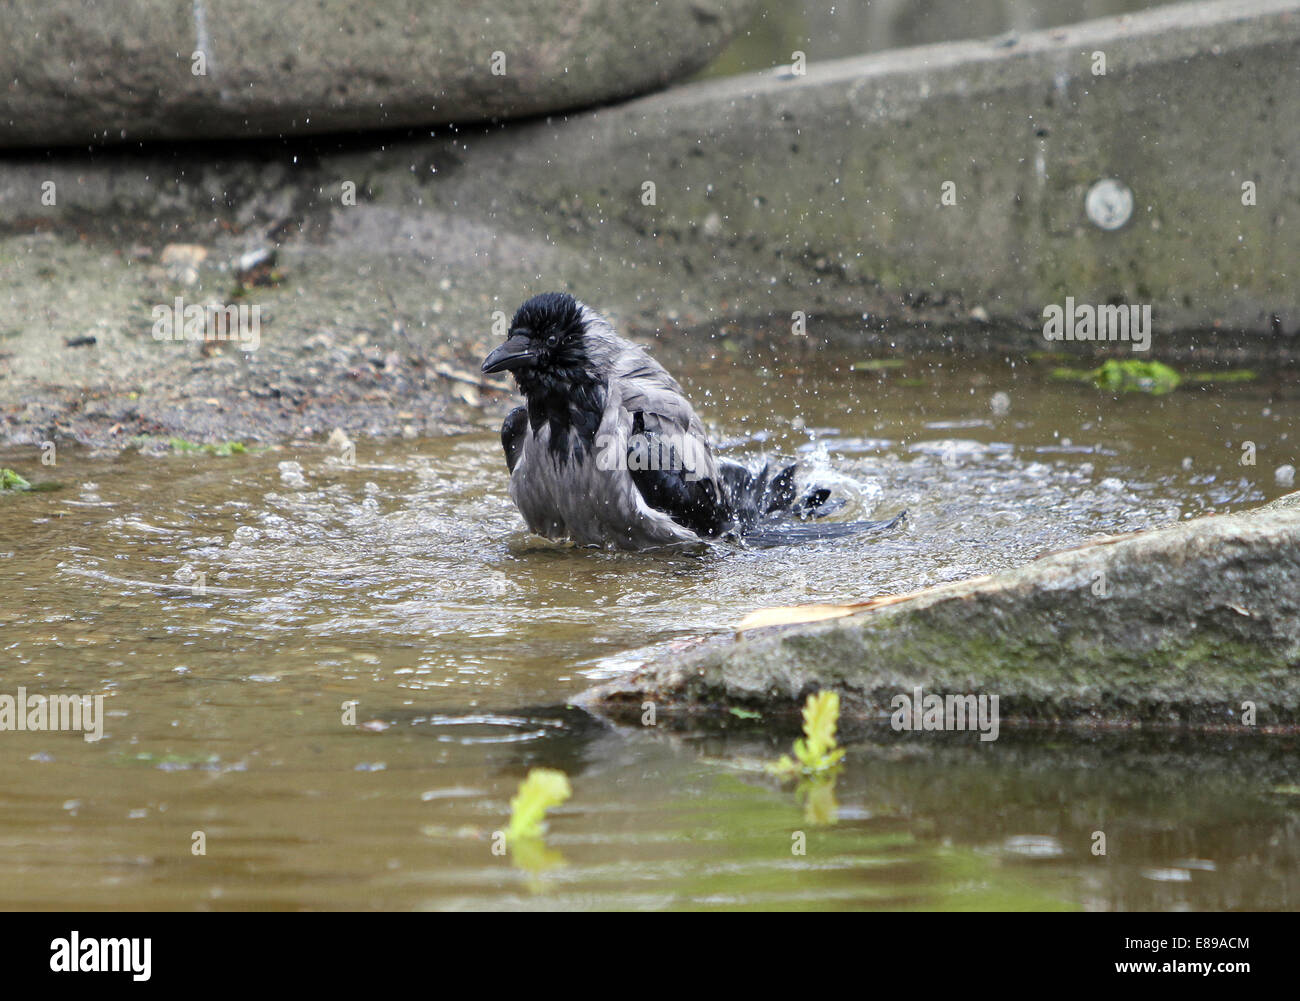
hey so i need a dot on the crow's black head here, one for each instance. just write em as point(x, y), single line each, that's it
point(545, 350)
point(550, 353)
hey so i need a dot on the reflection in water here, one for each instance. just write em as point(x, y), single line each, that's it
point(230, 610)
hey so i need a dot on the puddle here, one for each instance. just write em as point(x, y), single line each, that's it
point(231, 609)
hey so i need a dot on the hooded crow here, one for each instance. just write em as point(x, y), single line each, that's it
point(607, 451)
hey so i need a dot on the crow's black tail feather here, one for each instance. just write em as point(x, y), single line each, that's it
point(755, 496)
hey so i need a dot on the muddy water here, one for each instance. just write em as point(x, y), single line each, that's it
point(228, 607)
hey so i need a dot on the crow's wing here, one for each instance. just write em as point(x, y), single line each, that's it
point(673, 486)
point(513, 433)
point(668, 453)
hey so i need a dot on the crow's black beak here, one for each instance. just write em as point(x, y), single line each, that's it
point(515, 353)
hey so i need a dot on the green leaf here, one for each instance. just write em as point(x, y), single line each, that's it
point(816, 752)
point(784, 768)
point(219, 448)
point(821, 716)
point(542, 789)
point(9, 480)
point(1127, 376)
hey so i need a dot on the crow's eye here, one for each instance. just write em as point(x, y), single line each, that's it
point(552, 341)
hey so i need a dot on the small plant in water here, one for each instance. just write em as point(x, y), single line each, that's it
point(1152, 377)
point(1128, 376)
point(217, 448)
point(541, 790)
point(181, 445)
point(816, 753)
point(9, 480)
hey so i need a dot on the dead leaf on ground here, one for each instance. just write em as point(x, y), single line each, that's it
point(793, 614)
